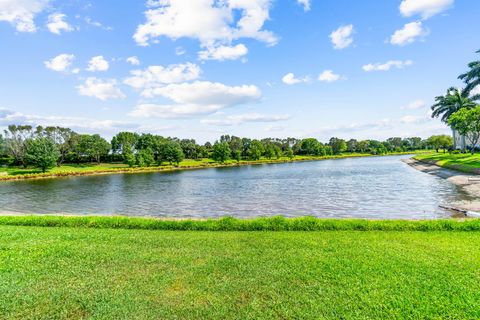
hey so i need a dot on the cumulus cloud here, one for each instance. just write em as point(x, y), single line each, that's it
point(158, 76)
point(21, 13)
point(213, 23)
point(56, 23)
point(134, 61)
point(290, 79)
point(98, 63)
point(409, 34)
point(60, 63)
point(414, 105)
point(305, 4)
point(196, 98)
point(399, 64)
point(100, 89)
point(329, 76)
point(244, 118)
point(342, 37)
point(424, 8)
point(222, 53)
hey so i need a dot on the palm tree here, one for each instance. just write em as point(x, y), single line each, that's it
point(472, 78)
point(453, 101)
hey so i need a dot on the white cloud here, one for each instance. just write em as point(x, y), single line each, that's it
point(222, 53)
point(179, 51)
point(305, 4)
point(413, 119)
point(211, 22)
point(98, 63)
point(97, 24)
point(21, 13)
point(408, 34)
point(56, 23)
point(60, 63)
point(425, 8)
point(290, 79)
point(199, 97)
point(414, 105)
point(134, 61)
point(100, 89)
point(342, 37)
point(244, 118)
point(387, 65)
point(157, 76)
point(329, 76)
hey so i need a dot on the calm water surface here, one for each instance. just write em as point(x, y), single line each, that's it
point(375, 187)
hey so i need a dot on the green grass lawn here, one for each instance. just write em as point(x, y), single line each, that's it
point(74, 273)
point(463, 162)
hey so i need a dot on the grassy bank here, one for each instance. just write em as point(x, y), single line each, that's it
point(17, 173)
point(233, 224)
point(462, 162)
point(79, 273)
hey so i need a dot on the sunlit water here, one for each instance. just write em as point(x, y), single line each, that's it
point(374, 187)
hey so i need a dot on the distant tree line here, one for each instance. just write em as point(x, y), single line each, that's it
point(45, 147)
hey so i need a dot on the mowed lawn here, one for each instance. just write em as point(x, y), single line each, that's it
point(464, 162)
point(75, 273)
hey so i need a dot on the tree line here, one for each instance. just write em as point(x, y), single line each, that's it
point(459, 108)
point(45, 147)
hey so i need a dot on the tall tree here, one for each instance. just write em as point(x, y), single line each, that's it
point(221, 151)
point(472, 78)
point(16, 137)
point(93, 146)
point(171, 152)
point(450, 103)
point(63, 139)
point(41, 152)
point(338, 145)
point(255, 150)
point(467, 123)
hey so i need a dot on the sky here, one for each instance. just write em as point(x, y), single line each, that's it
point(251, 68)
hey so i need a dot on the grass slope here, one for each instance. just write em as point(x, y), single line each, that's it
point(232, 224)
point(75, 273)
point(462, 162)
point(14, 173)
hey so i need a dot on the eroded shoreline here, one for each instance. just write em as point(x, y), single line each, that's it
point(470, 183)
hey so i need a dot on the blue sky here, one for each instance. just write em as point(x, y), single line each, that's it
point(256, 68)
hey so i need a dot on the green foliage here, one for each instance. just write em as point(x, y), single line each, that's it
point(145, 158)
point(221, 152)
point(255, 150)
point(471, 78)
point(289, 154)
point(440, 141)
point(453, 101)
point(93, 146)
point(42, 152)
point(467, 123)
point(338, 145)
point(170, 151)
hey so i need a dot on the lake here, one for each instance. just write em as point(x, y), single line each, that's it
point(372, 187)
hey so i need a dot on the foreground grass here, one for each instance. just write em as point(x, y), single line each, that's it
point(232, 224)
point(14, 173)
point(74, 273)
point(462, 162)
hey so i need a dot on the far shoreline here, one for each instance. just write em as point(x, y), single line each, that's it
point(171, 168)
